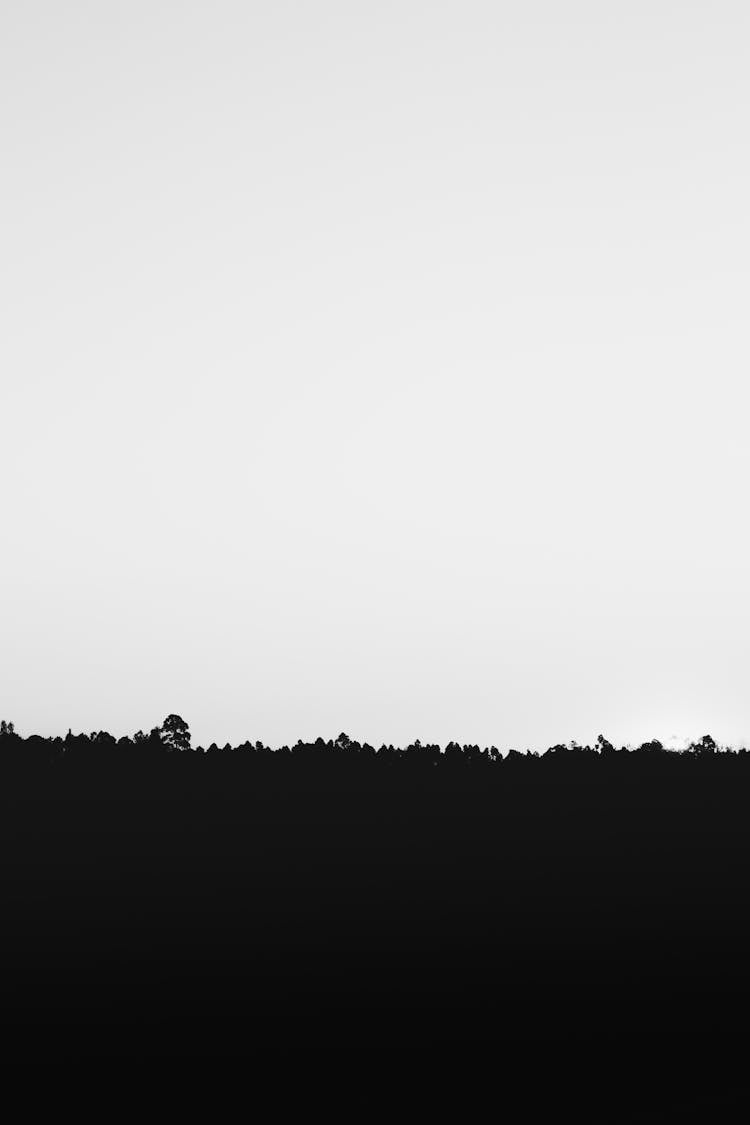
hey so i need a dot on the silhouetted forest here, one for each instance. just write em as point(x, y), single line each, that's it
point(588, 903)
point(100, 751)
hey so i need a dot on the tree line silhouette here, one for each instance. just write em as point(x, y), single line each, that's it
point(165, 898)
point(173, 735)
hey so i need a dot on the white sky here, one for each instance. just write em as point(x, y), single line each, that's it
point(378, 367)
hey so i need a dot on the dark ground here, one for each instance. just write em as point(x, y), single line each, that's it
point(582, 922)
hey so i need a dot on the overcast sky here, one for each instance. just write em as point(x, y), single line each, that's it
point(378, 367)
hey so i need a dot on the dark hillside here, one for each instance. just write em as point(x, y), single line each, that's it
point(588, 903)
